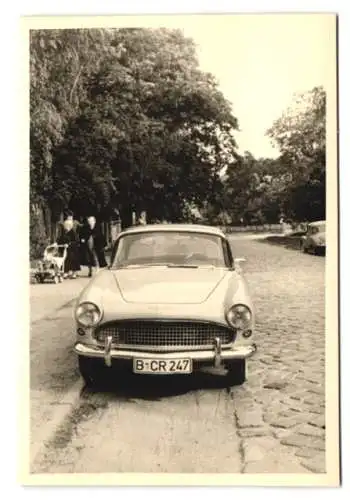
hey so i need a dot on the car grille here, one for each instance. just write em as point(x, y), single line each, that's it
point(163, 335)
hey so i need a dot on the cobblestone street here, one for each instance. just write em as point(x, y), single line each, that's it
point(274, 423)
point(280, 412)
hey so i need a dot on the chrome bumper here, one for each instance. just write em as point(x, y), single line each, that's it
point(217, 355)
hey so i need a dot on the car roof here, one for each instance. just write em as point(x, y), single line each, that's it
point(192, 228)
point(317, 223)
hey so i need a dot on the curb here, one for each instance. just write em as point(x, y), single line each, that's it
point(60, 413)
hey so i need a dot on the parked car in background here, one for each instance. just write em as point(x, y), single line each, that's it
point(314, 240)
point(174, 300)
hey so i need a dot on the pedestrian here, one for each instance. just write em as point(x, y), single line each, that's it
point(282, 225)
point(70, 237)
point(93, 243)
point(69, 216)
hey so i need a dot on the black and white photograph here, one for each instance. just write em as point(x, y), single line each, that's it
point(183, 241)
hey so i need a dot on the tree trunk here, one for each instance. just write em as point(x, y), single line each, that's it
point(126, 217)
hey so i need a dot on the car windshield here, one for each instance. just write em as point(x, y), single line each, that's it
point(169, 248)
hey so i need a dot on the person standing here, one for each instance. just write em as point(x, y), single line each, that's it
point(281, 221)
point(69, 236)
point(93, 243)
point(69, 216)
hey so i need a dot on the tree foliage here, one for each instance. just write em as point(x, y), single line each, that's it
point(301, 137)
point(38, 238)
point(125, 119)
point(260, 190)
point(252, 190)
point(61, 61)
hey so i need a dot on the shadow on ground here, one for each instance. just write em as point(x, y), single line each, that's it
point(128, 387)
point(290, 242)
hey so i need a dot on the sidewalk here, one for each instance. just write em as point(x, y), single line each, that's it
point(45, 298)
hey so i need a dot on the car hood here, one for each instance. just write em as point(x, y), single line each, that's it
point(168, 285)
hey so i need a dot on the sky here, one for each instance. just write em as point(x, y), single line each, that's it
point(260, 62)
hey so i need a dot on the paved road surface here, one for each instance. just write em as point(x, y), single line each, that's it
point(274, 423)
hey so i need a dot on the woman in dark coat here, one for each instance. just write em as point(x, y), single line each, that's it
point(93, 244)
point(70, 237)
point(69, 216)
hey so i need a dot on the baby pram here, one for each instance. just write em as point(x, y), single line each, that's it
point(51, 267)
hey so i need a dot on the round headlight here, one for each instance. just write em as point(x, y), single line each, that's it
point(88, 314)
point(239, 316)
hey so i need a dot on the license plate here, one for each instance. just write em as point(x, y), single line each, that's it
point(162, 366)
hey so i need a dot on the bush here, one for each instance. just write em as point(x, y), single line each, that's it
point(38, 239)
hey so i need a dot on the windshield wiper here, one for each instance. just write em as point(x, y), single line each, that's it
point(190, 266)
point(134, 266)
point(171, 266)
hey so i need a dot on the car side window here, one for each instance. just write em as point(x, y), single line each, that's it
point(227, 253)
point(114, 251)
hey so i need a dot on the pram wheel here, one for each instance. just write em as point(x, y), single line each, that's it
point(56, 279)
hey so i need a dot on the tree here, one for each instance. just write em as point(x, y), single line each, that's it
point(154, 131)
point(301, 136)
point(60, 62)
point(252, 188)
point(38, 239)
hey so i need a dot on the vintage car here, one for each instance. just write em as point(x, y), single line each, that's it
point(172, 301)
point(314, 240)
